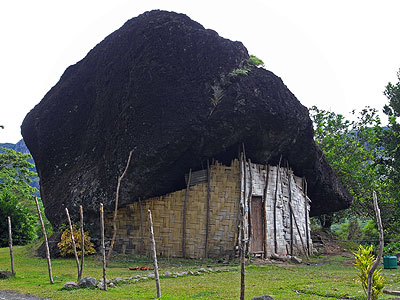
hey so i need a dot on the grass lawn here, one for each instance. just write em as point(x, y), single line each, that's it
point(327, 277)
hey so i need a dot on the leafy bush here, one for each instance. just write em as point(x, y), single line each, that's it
point(370, 232)
point(364, 258)
point(23, 223)
point(392, 248)
point(65, 245)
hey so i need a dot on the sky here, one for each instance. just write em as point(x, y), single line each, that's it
point(338, 55)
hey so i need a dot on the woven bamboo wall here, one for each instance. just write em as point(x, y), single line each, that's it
point(167, 212)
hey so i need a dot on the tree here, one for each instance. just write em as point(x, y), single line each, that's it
point(16, 196)
point(353, 150)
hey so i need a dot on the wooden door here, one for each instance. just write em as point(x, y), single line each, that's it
point(257, 229)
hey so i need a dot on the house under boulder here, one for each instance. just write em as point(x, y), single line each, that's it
point(176, 95)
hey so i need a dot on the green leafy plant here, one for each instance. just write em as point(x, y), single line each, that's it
point(364, 258)
point(23, 222)
point(255, 61)
point(65, 245)
point(392, 248)
point(217, 95)
point(239, 71)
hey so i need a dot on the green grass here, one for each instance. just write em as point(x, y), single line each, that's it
point(327, 277)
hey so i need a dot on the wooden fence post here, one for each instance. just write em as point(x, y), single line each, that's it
point(381, 244)
point(154, 253)
point(73, 243)
point(11, 246)
point(45, 242)
point(82, 243)
point(242, 253)
point(103, 248)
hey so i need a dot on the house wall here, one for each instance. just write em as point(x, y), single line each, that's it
point(167, 213)
point(229, 186)
point(276, 185)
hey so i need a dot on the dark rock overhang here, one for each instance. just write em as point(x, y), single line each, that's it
point(148, 87)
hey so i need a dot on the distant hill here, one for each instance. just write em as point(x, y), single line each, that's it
point(21, 147)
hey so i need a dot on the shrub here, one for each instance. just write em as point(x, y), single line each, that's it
point(370, 232)
point(392, 248)
point(364, 258)
point(65, 245)
point(23, 223)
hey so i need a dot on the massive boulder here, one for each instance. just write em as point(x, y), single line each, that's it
point(176, 94)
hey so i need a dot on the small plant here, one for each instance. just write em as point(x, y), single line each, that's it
point(364, 258)
point(239, 71)
point(217, 95)
point(255, 61)
point(65, 245)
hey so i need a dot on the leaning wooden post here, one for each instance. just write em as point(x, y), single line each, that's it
point(242, 253)
point(73, 243)
point(207, 208)
point(82, 243)
point(45, 242)
point(103, 248)
point(381, 244)
point(275, 203)
point(265, 203)
point(10, 245)
point(154, 253)
point(116, 207)
point(184, 214)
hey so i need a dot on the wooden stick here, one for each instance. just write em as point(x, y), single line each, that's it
point(381, 244)
point(45, 242)
point(275, 203)
point(237, 237)
point(244, 189)
point(141, 227)
point(207, 208)
point(10, 244)
point(103, 248)
point(73, 243)
point(298, 230)
point(306, 215)
point(290, 209)
point(250, 235)
point(184, 215)
point(242, 254)
point(154, 253)
point(82, 243)
point(116, 207)
point(265, 194)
